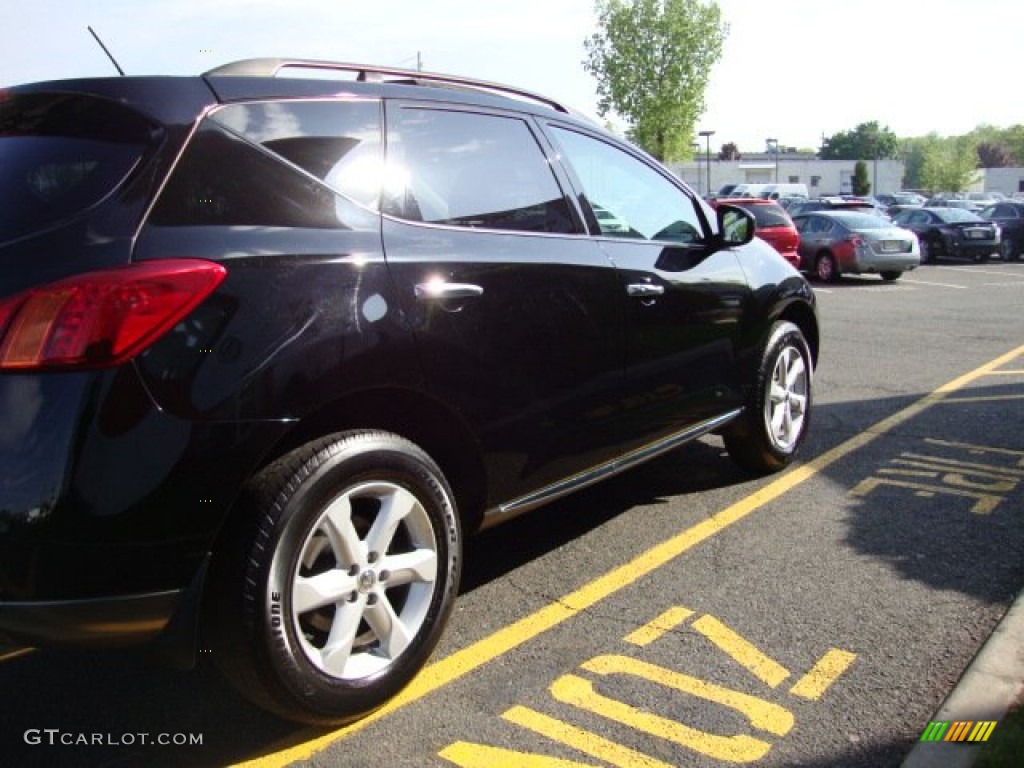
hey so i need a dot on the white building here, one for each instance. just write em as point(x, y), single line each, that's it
point(822, 177)
point(1005, 180)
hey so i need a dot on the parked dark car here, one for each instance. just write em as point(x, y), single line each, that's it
point(773, 224)
point(950, 232)
point(833, 243)
point(1009, 215)
point(270, 347)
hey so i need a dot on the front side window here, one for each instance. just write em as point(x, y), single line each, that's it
point(629, 198)
point(470, 170)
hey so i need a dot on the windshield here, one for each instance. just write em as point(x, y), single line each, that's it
point(61, 154)
point(863, 221)
point(955, 215)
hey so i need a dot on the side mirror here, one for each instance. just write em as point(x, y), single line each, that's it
point(735, 225)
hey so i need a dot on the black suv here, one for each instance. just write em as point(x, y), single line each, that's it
point(270, 347)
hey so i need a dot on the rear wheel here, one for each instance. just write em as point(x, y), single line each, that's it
point(931, 249)
point(890, 275)
point(336, 585)
point(778, 410)
point(1008, 251)
point(825, 268)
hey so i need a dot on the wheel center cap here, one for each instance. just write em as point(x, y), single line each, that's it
point(367, 581)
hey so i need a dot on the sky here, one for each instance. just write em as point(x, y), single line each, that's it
point(795, 70)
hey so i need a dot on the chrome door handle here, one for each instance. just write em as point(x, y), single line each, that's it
point(644, 290)
point(438, 290)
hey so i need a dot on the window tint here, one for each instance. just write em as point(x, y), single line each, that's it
point(767, 215)
point(640, 201)
point(818, 225)
point(61, 154)
point(470, 170)
point(339, 142)
point(957, 215)
point(223, 180)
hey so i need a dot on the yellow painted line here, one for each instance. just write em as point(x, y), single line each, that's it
point(764, 668)
point(974, 447)
point(585, 741)
point(1008, 372)
point(466, 754)
point(959, 470)
point(989, 399)
point(654, 629)
point(814, 684)
point(462, 662)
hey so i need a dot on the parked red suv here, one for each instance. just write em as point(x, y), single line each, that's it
point(774, 225)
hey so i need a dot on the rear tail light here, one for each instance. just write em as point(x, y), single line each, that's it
point(103, 318)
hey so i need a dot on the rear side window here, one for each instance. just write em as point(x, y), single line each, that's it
point(279, 164)
point(470, 170)
point(60, 154)
point(767, 215)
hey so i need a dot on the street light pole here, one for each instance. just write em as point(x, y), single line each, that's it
point(696, 153)
point(774, 143)
point(707, 156)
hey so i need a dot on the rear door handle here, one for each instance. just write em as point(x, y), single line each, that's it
point(644, 290)
point(438, 290)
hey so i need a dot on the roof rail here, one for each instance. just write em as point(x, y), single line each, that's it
point(269, 67)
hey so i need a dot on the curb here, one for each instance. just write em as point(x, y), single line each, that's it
point(992, 682)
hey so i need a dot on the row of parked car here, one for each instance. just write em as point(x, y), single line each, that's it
point(831, 236)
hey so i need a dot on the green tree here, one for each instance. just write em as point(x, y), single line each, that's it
point(993, 154)
point(861, 185)
point(949, 165)
point(730, 152)
point(652, 59)
point(867, 140)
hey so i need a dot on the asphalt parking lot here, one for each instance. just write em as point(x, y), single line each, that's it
point(682, 614)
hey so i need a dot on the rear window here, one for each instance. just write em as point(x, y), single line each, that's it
point(956, 215)
point(864, 221)
point(766, 215)
point(60, 154)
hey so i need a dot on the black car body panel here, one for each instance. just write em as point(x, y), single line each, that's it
point(953, 232)
point(514, 343)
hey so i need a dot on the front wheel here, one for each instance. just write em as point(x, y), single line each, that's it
point(778, 409)
point(338, 578)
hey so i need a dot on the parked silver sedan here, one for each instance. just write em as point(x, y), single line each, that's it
point(833, 243)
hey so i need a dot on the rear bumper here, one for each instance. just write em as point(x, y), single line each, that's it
point(972, 248)
point(888, 262)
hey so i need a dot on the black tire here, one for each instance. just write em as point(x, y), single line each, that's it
point(1008, 250)
point(825, 268)
point(767, 437)
point(315, 555)
point(889, 275)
